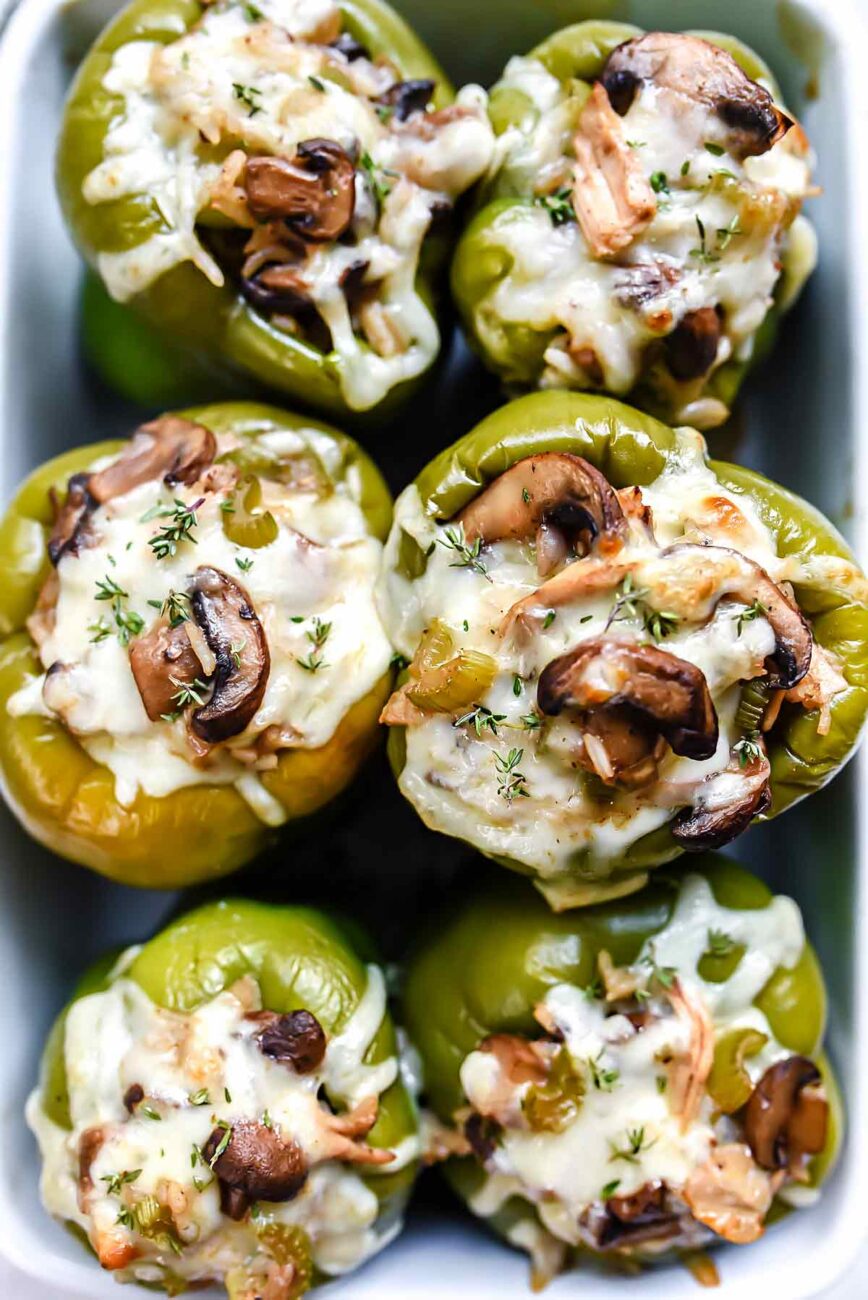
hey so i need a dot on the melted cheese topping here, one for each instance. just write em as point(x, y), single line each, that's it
point(318, 573)
point(560, 826)
point(198, 1072)
point(627, 1088)
point(265, 76)
point(721, 233)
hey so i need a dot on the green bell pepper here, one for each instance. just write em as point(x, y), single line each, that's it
point(495, 956)
point(207, 331)
point(63, 797)
point(631, 448)
point(300, 958)
point(576, 57)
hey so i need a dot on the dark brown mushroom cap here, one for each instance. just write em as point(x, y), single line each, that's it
point(794, 642)
point(786, 1117)
point(667, 692)
point(236, 638)
point(483, 1133)
point(71, 518)
point(711, 825)
point(702, 72)
point(407, 97)
point(691, 348)
point(349, 47)
point(279, 288)
point(170, 448)
point(257, 1164)
point(295, 1039)
point(315, 193)
point(554, 490)
point(156, 657)
point(644, 1215)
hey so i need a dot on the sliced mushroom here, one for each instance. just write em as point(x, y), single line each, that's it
point(315, 193)
point(692, 347)
point(70, 519)
point(349, 47)
point(702, 73)
point(236, 638)
point(730, 1194)
point(627, 1221)
point(297, 1039)
point(727, 804)
point(170, 448)
point(162, 654)
point(732, 574)
point(786, 1118)
point(559, 498)
point(407, 97)
point(612, 197)
point(668, 693)
point(256, 1164)
point(620, 748)
point(281, 288)
point(482, 1133)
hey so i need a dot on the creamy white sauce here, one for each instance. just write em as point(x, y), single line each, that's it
point(564, 1173)
point(321, 566)
point(237, 77)
point(555, 282)
point(119, 1037)
point(450, 775)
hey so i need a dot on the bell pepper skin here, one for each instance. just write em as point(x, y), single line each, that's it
point(632, 448)
point(495, 956)
point(207, 328)
point(576, 54)
point(66, 800)
point(300, 957)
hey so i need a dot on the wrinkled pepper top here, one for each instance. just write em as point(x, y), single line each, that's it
point(260, 182)
point(224, 1104)
point(641, 1076)
point(617, 650)
point(641, 229)
point(198, 637)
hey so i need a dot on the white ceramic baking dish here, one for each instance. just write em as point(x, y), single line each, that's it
point(805, 422)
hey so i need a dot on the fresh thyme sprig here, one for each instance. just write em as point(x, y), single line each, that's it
point(603, 1079)
point(635, 1144)
point(375, 174)
point(176, 607)
point(720, 944)
point(559, 206)
point(114, 1182)
point(481, 717)
point(632, 602)
point(127, 622)
point(748, 615)
point(184, 519)
point(188, 692)
point(512, 784)
point(317, 636)
point(748, 749)
point(247, 96)
point(468, 556)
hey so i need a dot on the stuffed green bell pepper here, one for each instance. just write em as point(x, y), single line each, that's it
point(224, 1104)
point(642, 231)
point(618, 650)
point(259, 182)
point(193, 655)
point(640, 1077)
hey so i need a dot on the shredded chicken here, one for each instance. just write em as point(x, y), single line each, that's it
point(817, 689)
point(228, 195)
point(341, 1134)
point(689, 1069)
point(619, 982)
point(730, 1194)
point(612, 197)
point(440, 1141)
